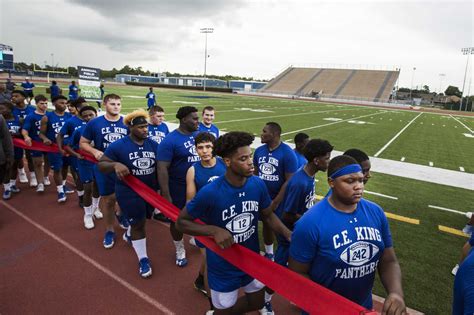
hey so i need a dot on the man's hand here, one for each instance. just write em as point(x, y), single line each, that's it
point(28, 141)
point(121, 170)
point(47, 141)
point(98, 154)
point(61, 151)
point(223, 238)
point(394, 305)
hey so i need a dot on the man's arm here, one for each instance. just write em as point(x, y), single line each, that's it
point(60, 142)
point(43, 129)
point(163, 179)
point(26, 137)
point(391, 277)
point(85, 144)
point(300, 268)
point(186, 224)
point(106, 165)
point(275, 224)
point(277, 200)
point(190, 184)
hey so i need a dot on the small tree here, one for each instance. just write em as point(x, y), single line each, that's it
point(452, 90)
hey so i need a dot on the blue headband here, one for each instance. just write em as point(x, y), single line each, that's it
point(348, 169)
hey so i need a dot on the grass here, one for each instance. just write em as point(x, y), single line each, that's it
point(426, 254)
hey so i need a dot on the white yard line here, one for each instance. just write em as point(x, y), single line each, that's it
point(276, 116)
point(396, 136)
point(380, 195)
point(470, 130)
point(329, 124)
point(447, 209)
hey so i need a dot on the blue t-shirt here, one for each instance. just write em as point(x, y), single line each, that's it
point(300, 159)
point(157, 133)
point(54, 89)
point(70, 126)
point(273, 165)
point(21, 113)
point(343, 249)
point(14, 127)
point(104, 132)
point(178, 149)
point(299, 194)
point(205, 175)
point(463, 292)
point(27, 86)
point(73, 90)
point(75, 138)
point(55, 123)
point(140, 160)
point(32, 124)
point(151, 98)
point(212, 129)
point(235, 209)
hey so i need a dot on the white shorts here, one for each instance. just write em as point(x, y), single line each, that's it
point(224, 300)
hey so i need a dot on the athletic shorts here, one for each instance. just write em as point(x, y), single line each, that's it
point(86, 171)
point(224, 300)
point(199, 244)
point(135, 208)
point(57, 161)
point(178, 194)
point(35, 153)
point(282, 254)
point(105, 182)
point(18, 153)
point(72, 162)
point(29, 93)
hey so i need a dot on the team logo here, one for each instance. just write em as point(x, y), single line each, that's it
point(156, 139)
point(212, 178)
point(359, 253)
point(112, 137)
point(240, 223)
point(192, 150)
point(143, 163)
point(267, 168)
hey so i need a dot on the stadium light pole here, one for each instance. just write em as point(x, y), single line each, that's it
point(441, 76)
point(206, 30)
point(465, 51)
point(52, 61)
point(411, 87)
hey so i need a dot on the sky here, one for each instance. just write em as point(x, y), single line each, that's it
point(251, 38)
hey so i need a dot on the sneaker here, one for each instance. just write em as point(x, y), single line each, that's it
point(68, 190)
point(127, 238)
point(81, 201)
point(468, 229)
point(109, 239)
point(267, 309)
point(89, 224)
point(210, 312)
point(161, 217)
point(61, 197)
point(144, 267)
point(7, 194)
point(455, 270)
point(123, 222)
point(192, 241)
point(23, 178)
point(469, 215)
point(33, 182)
point(270, 256)
point(181, 260)
point(199, 284)
point(47, 182)
point(14, 189)
point(98, 214)
point(40, 187)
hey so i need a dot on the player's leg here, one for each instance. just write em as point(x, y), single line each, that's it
point(253, 299)
point(178, 194)
point(5, 179)
point(87, 177)
point(19, 153)
point(18, 158)
point(268, 239)
point(46, 169)
point(31, 169)
point(55, 160)
point(37, 157)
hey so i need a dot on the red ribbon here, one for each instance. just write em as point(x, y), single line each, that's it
point(305, 293)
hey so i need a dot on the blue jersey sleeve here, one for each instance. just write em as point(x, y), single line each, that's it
point(27, 123)
point(291, 163)
point(304, 241)
point(165, 151)
point(89, 132)
point(386, 234)
point(293, 194)
point(199, 205)
point(75, 138)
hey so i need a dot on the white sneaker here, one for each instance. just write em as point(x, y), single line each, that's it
point(33, 182)
point(210, 312)
point(40, 188)
point(23, 178)
point(455, 270)
point(192, 241)
point(469, 215)
point(46, 181)
point(98, 214)
point(88, 222)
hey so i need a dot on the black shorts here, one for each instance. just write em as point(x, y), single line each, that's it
point(29, 93)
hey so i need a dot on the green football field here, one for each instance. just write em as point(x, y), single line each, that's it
point(426, 253)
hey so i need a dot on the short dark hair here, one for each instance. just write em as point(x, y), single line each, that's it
point(358, 155)
point(315, 148)
point(58, 97)
point(274, 127)
point(300, 137)
point(204, 137)
point(78, 102)
point(54, 82)
point(227, 144)
point(156, 109)
point(88, 107)
point(111, 97)
point(7, 104)
point(22, 93)
point(40, 98)
point(339, 162)
point(185, 111)
point(207, 108)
